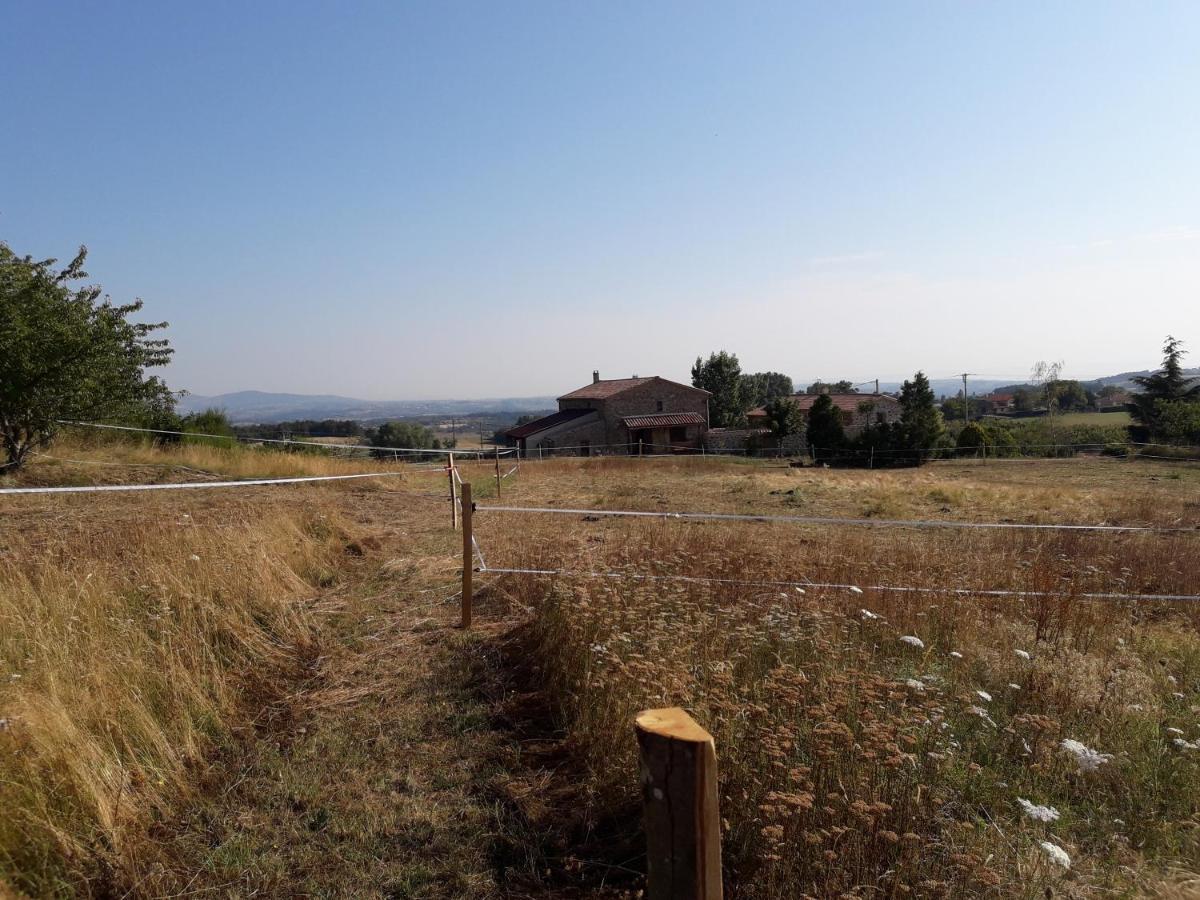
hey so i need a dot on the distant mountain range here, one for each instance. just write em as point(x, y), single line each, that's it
point(260, 407)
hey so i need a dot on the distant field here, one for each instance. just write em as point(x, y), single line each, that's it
point(1080, 418)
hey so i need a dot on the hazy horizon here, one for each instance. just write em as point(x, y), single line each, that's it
point(477, 201)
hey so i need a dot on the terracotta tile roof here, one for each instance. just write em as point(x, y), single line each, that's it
point(663, 420)
point(845, 402)
point(558, 418)
point(602, 390)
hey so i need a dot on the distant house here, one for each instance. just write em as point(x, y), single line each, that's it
point(998, 404)
point(620, 415)
point(858, 410)
point(1116, 400)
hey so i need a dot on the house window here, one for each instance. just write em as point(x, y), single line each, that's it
point(658, 405)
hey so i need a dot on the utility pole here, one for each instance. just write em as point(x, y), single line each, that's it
point(876, 387)
point(966, 405)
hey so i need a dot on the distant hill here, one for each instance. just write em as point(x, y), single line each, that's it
point(1124, 380)
point(947, 387)
point(262, 408)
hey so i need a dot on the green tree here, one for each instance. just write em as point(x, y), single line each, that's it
point(972, 440)
point(921, 425)
point(759, 388)
point(66, 354)
point(1168, 384)
point(784, 418)
point(825, 434)
point(1065, 395)
point(211, 426)
point(1023, 400)
point(1177, 421)
point(402, 436)
point(831, 387)
point(721, 376)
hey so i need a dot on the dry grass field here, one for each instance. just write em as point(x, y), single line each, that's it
point(257, 690)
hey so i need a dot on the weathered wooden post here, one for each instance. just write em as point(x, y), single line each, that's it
point(497, 471)
point(453, 492)
point(679, 797)
point(468, 558)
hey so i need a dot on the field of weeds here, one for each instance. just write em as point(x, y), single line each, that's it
point(874, 742)
point(871, 742)
point(140, 632)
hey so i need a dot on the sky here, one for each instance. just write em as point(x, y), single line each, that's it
point(426, 201)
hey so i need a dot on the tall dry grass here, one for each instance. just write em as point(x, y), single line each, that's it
point(854, 761)
point(100, 458)
point(132, 644)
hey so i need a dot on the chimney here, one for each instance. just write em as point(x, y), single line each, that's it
point(595, 376)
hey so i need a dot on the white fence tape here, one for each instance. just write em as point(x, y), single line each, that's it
point(833, 520)
point(189, 485)
point(853, 588)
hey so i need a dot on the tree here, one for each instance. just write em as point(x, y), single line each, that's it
point(212, 427)
point(921, 425)
point(831, 387)
point(760, 388)
point(1044, 375)
point(1177, 421)
point(402, 436)
point(1065, 395)
point(66, 354)
point(972, 439)
point(1023, 400)
point(721, 376)
point(1168, 384)
point(825, 431)
point(784, 418)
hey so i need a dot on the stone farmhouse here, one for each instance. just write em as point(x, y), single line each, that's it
point(619, 415)
point(858, 410)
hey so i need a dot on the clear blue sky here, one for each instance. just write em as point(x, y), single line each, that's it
point(422, 201)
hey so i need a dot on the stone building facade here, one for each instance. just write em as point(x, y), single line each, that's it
point(620, 415)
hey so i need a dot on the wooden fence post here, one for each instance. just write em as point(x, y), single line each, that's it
point(497, 471)
point(468, 560)
point(679, 798)
point(453, 493)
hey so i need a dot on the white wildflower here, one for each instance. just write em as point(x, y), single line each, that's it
point(1186, 745)
point(599, 648)
point(954, 654)
point(1024, 654)
point(1172, 730)
point(1037, 812)
point(1057, 854)
point(1015, 687)
point(1172, 679)
point(915, 685)
point(195, 558)
point(913, 641)
point(984, 696)
point(1087, 759)
point(867, 614)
